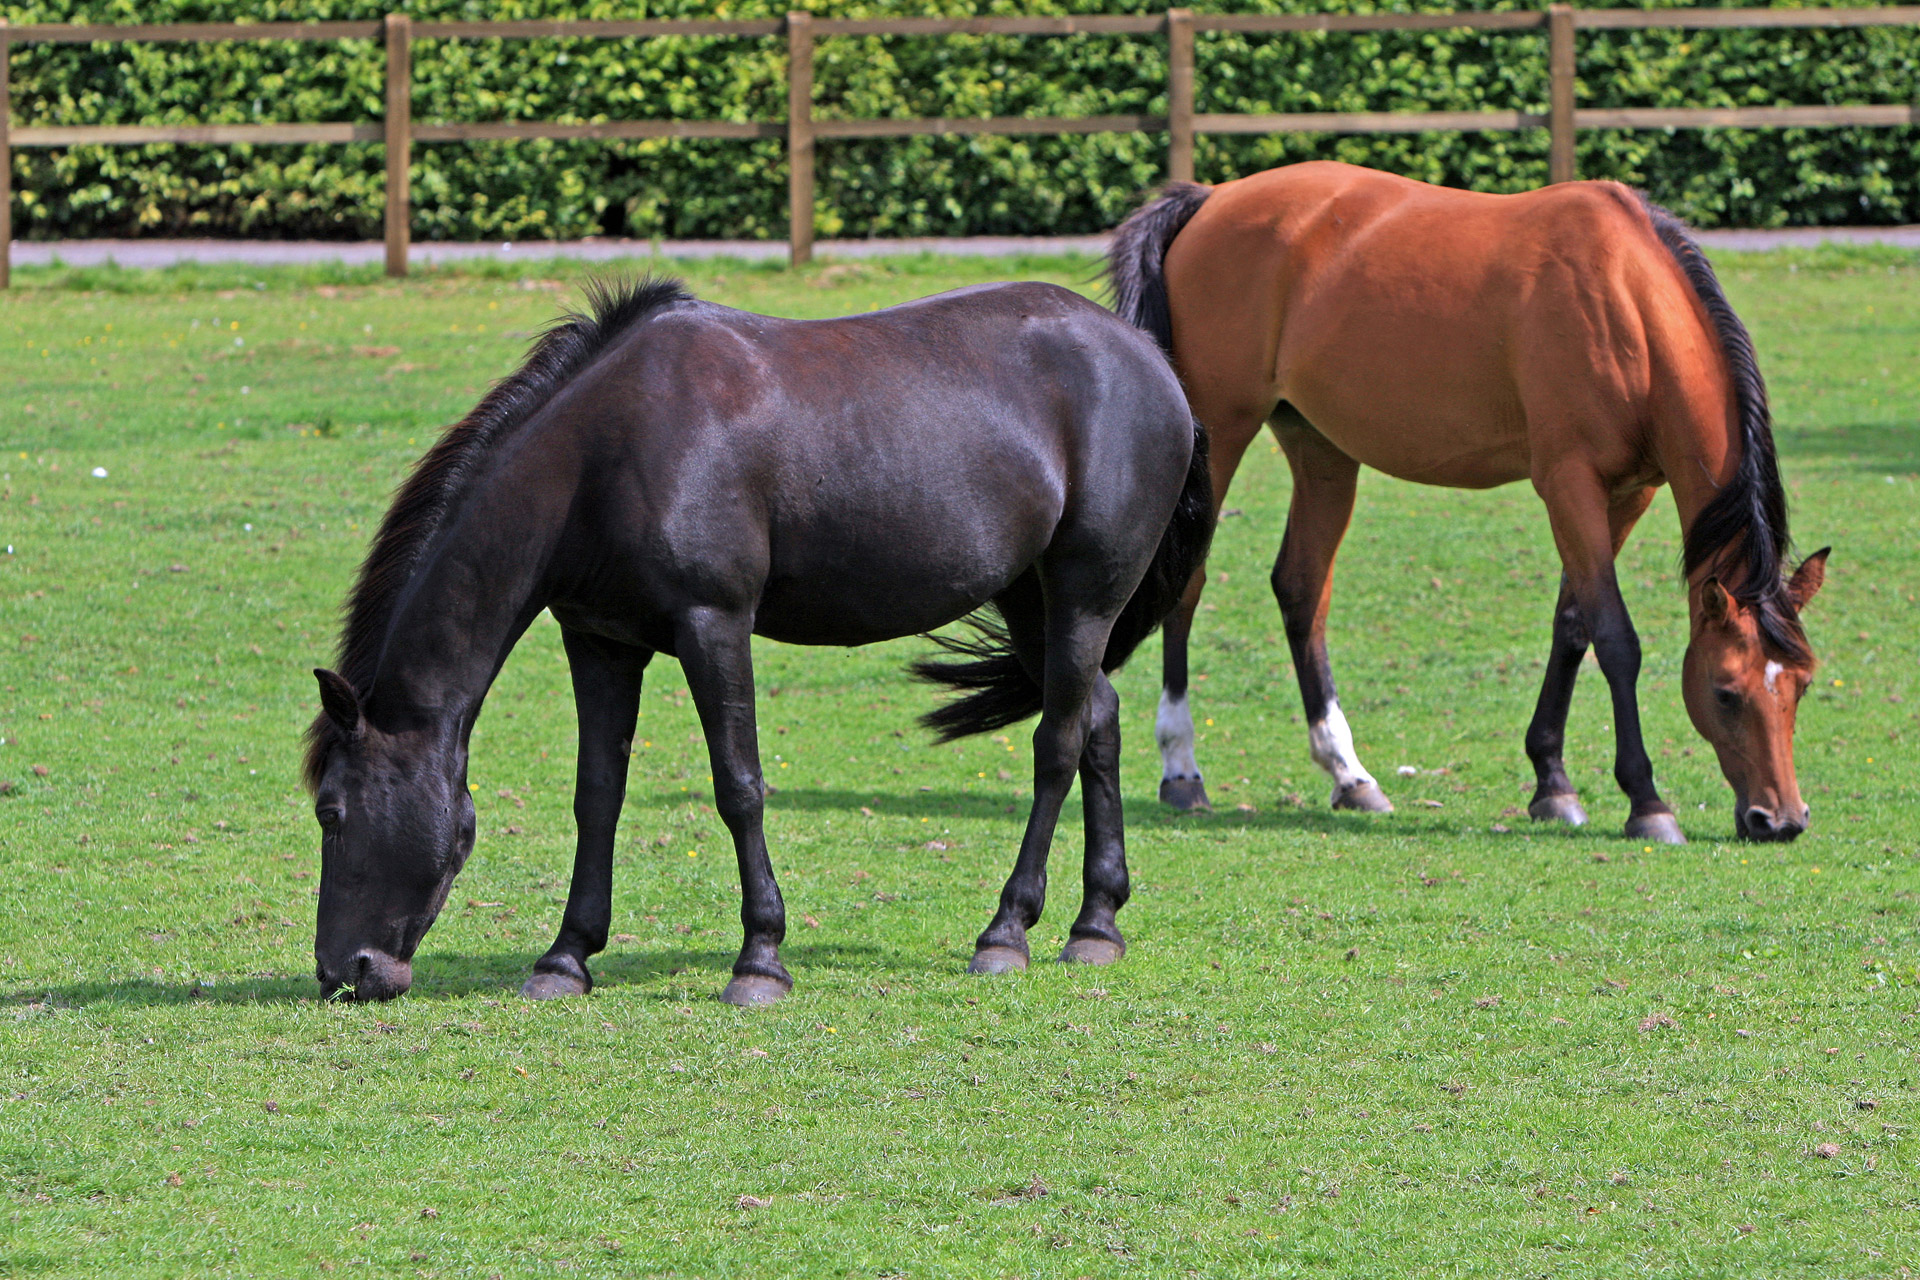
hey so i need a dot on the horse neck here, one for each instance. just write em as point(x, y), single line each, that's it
point(479, 584)
point(1698, 464)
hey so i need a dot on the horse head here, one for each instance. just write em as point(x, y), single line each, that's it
point(396, 825)
point(1743, 685)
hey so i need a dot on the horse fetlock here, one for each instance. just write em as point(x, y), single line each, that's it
point(1173, 731)
point(1330, 743)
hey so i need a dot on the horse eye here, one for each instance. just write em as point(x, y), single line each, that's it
point(1727, 698)
point(330, 816)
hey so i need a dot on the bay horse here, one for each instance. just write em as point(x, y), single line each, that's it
point(1573, 336)
point(671, 476)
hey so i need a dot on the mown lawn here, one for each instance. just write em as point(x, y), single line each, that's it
point(1423, 1044)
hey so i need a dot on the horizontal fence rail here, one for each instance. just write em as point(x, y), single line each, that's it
point(398, 132)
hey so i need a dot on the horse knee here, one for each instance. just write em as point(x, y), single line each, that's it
point(739, 798)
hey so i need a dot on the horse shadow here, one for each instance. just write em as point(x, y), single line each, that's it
point(878, 802)
point(448, 976)
point(1146, 813)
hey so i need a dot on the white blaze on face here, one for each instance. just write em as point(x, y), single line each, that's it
point(1773, 674)
point(1330, 742)
point(1173, 730)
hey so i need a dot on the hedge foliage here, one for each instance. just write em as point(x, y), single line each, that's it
point(914, 186)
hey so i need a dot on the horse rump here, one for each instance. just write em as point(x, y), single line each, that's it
point(997, 688)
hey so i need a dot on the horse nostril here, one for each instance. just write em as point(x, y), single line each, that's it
point(1760, 824)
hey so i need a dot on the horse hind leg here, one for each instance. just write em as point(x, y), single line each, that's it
point(1095, 937)
point(1181, 784)
point(1324, 481)
point(1068, 660)
point(1230, 428)
point(1554, 797)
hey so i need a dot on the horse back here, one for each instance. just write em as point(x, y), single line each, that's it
point(879, 474)
point(1443, 336)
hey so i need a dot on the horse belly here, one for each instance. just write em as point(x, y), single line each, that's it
point(1421, 443)
point(1409, 395)
point(857, 582)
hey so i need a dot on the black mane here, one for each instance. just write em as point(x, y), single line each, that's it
point(1741, 534)
point(423, 500)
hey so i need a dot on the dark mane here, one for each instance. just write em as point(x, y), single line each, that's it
point(421, 505)
point(1742, 533)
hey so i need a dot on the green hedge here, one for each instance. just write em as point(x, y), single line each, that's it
point(916, 186)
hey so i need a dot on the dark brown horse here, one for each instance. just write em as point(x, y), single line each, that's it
point(1574, 337)
point(669, 476)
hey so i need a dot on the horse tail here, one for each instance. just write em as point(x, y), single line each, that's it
point(1000, 691)
point(1183, 549)
point(1136, 259)
point(1744, 526)
point(998, 688)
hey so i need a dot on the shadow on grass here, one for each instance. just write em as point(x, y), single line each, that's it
point(884, 803)
point(454, 976)
point(1146, 813)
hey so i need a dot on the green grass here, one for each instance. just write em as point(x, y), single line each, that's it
point(1339, 1045)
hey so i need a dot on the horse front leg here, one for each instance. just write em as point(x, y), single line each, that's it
point(606, 695)
point(1585, 531)
point(1070, 665)
point(1324, 483)
point(1095, 937)
point(716, 652)
point(1554, 797)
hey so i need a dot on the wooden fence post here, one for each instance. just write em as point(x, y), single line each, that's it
point(799, 139)
point(399, 140)
point(1180, 95)
point(6, 158)
point(1560, 156)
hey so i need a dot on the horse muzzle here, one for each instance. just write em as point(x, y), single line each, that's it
point(366, 975)
point(1755, 822)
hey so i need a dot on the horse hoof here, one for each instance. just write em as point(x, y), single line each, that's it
point(751, 990)
point(1092, 951)
point(1561, 808)
point(997, 960)
point(1365, 797)
point(553, 986)
point(1661, 828)
point(1188, 795)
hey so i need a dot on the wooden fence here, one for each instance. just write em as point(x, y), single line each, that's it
point(1182, 124)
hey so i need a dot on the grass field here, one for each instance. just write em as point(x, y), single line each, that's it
point(1414, 1045)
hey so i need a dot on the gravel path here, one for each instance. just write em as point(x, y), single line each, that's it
point(161, 253)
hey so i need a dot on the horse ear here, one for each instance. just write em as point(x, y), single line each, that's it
point(338, 699)
point(1716, 605)
point(1807, 578)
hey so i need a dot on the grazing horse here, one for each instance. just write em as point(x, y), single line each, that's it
point(1573, 336)
point(670, 476)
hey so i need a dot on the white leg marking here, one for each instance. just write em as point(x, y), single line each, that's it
point(1173, 730)
point(1330, 742)
point(1773, 673)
